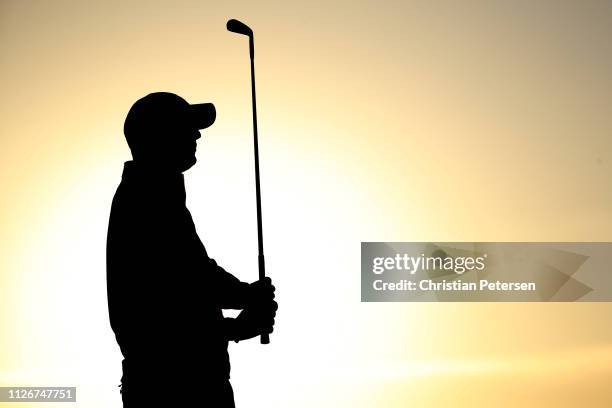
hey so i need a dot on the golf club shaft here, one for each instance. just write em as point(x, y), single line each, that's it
point(265, 338)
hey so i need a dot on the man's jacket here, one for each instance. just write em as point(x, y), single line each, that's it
point(165, 294)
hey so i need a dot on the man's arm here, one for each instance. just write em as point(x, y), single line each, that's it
point(234, 294)
point(251, 322)
point(229, 291)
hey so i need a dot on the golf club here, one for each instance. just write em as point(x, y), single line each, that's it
point(236, 26)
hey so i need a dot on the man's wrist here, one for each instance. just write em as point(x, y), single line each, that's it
point(249, 295)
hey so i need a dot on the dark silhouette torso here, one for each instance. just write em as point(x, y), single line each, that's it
point(165, 294)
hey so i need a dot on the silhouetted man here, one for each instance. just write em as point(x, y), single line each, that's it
point(165, 294)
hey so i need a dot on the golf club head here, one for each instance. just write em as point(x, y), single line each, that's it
point(236, 26)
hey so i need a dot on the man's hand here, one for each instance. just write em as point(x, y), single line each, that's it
point(260, 293)
point(258, 315)
point(252, 322)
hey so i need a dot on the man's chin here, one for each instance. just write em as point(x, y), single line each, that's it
point(189, 164)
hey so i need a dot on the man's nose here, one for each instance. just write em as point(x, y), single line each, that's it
point(197, 135)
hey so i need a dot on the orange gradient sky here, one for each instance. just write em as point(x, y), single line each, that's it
point(379, 121)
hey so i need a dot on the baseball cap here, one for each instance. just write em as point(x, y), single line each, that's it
point(165, 110)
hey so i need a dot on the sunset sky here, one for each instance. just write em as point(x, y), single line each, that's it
point(379, 121)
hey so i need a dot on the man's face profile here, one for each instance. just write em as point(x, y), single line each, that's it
point(181, 147)
point(162, 128)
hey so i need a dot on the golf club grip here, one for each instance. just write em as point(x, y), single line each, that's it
point(265, 338)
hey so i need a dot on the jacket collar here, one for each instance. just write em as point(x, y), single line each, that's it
point(165, 183)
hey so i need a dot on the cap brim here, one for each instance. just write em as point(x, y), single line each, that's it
point(203, 114)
